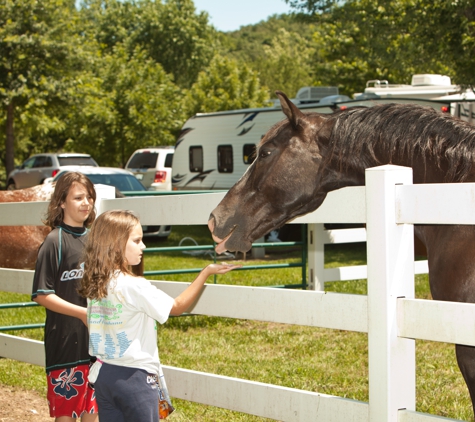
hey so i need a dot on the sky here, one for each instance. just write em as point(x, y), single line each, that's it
point(230, 15)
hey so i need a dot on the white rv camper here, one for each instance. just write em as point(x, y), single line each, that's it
point(214, 150)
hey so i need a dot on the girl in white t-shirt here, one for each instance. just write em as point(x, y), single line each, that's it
point(122, 310)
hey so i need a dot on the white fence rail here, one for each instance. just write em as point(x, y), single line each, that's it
point(174, 210)
point(389, 204)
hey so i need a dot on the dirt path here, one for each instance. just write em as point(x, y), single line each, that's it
point(22, 405)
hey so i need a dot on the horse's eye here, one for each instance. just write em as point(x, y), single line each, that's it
point(264, 153)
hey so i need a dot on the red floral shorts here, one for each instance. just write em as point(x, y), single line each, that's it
point(69, 393)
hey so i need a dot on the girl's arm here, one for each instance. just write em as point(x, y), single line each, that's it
point(185, 299)
point(56, 304)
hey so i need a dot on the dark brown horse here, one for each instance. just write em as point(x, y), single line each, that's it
point(19, 244)
point(306, 156)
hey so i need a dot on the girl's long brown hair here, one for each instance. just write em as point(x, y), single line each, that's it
point(55, 214)
point(105, 251)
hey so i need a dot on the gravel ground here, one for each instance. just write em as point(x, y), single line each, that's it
point(22, 405)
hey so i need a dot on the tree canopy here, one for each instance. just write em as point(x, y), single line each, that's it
point(112, 76)
point(225, 85)
point(394, 38)
point(37, 48)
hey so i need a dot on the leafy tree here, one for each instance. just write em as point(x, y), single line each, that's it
point(248, 44)
point(178, 38)
point(391, 39)
point(288, 63)
point(280, 49)
point(447, 29)
point(225, 85)
point(357, 42)
point(111, 22)
point(133, 103)
point(312, 6)
point(36, 51)
point(171, 33)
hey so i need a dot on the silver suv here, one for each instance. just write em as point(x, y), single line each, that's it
point(153, 167)
point(41, 166)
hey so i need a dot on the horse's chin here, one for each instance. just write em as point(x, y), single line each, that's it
point(233, 245)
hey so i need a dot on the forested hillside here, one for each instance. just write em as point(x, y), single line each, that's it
point(112, 76)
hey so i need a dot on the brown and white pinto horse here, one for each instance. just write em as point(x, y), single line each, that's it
point(306, 156)
point(19, 244)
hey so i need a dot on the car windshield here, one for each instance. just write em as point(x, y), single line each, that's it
point(143, 160)
point(76, 161)
point(123, 182)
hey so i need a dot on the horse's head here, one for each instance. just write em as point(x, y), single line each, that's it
point(282, 183)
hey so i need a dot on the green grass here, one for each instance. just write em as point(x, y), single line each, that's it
point(315, 359)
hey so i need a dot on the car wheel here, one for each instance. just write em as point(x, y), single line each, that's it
point(11, 185)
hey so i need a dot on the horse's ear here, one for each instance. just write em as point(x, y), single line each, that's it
point(295, 116)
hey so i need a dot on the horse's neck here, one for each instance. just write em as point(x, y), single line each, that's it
point(429, 171)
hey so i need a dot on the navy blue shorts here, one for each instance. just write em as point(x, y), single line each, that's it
point(126, 394)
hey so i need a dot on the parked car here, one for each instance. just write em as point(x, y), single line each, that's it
point(41, 166)
point(153, 167)
point(124, 181)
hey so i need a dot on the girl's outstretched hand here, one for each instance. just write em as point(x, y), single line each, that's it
point(222, 268)
point(191, 293)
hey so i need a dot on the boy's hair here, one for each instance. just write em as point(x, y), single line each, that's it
point(105, 251)
point(55, 213)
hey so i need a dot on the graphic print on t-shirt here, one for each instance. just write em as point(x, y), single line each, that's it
point(73, 274)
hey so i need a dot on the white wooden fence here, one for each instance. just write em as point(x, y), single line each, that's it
point(389, 314)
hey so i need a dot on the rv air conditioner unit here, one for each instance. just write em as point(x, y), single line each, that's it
point(313, 94)
point(438, 80)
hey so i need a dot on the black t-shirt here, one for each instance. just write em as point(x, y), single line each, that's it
point(59, 271)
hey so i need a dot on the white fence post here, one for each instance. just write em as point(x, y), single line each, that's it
point(259, 253)
point(316, 257)
point(390, 275)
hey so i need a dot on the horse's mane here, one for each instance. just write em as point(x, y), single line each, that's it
point(364, 137)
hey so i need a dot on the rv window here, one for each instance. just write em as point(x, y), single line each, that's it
point(196, 159)
point(225, 158)
point(248, 153)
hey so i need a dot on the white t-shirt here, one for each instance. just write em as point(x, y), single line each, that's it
point(122, 326)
